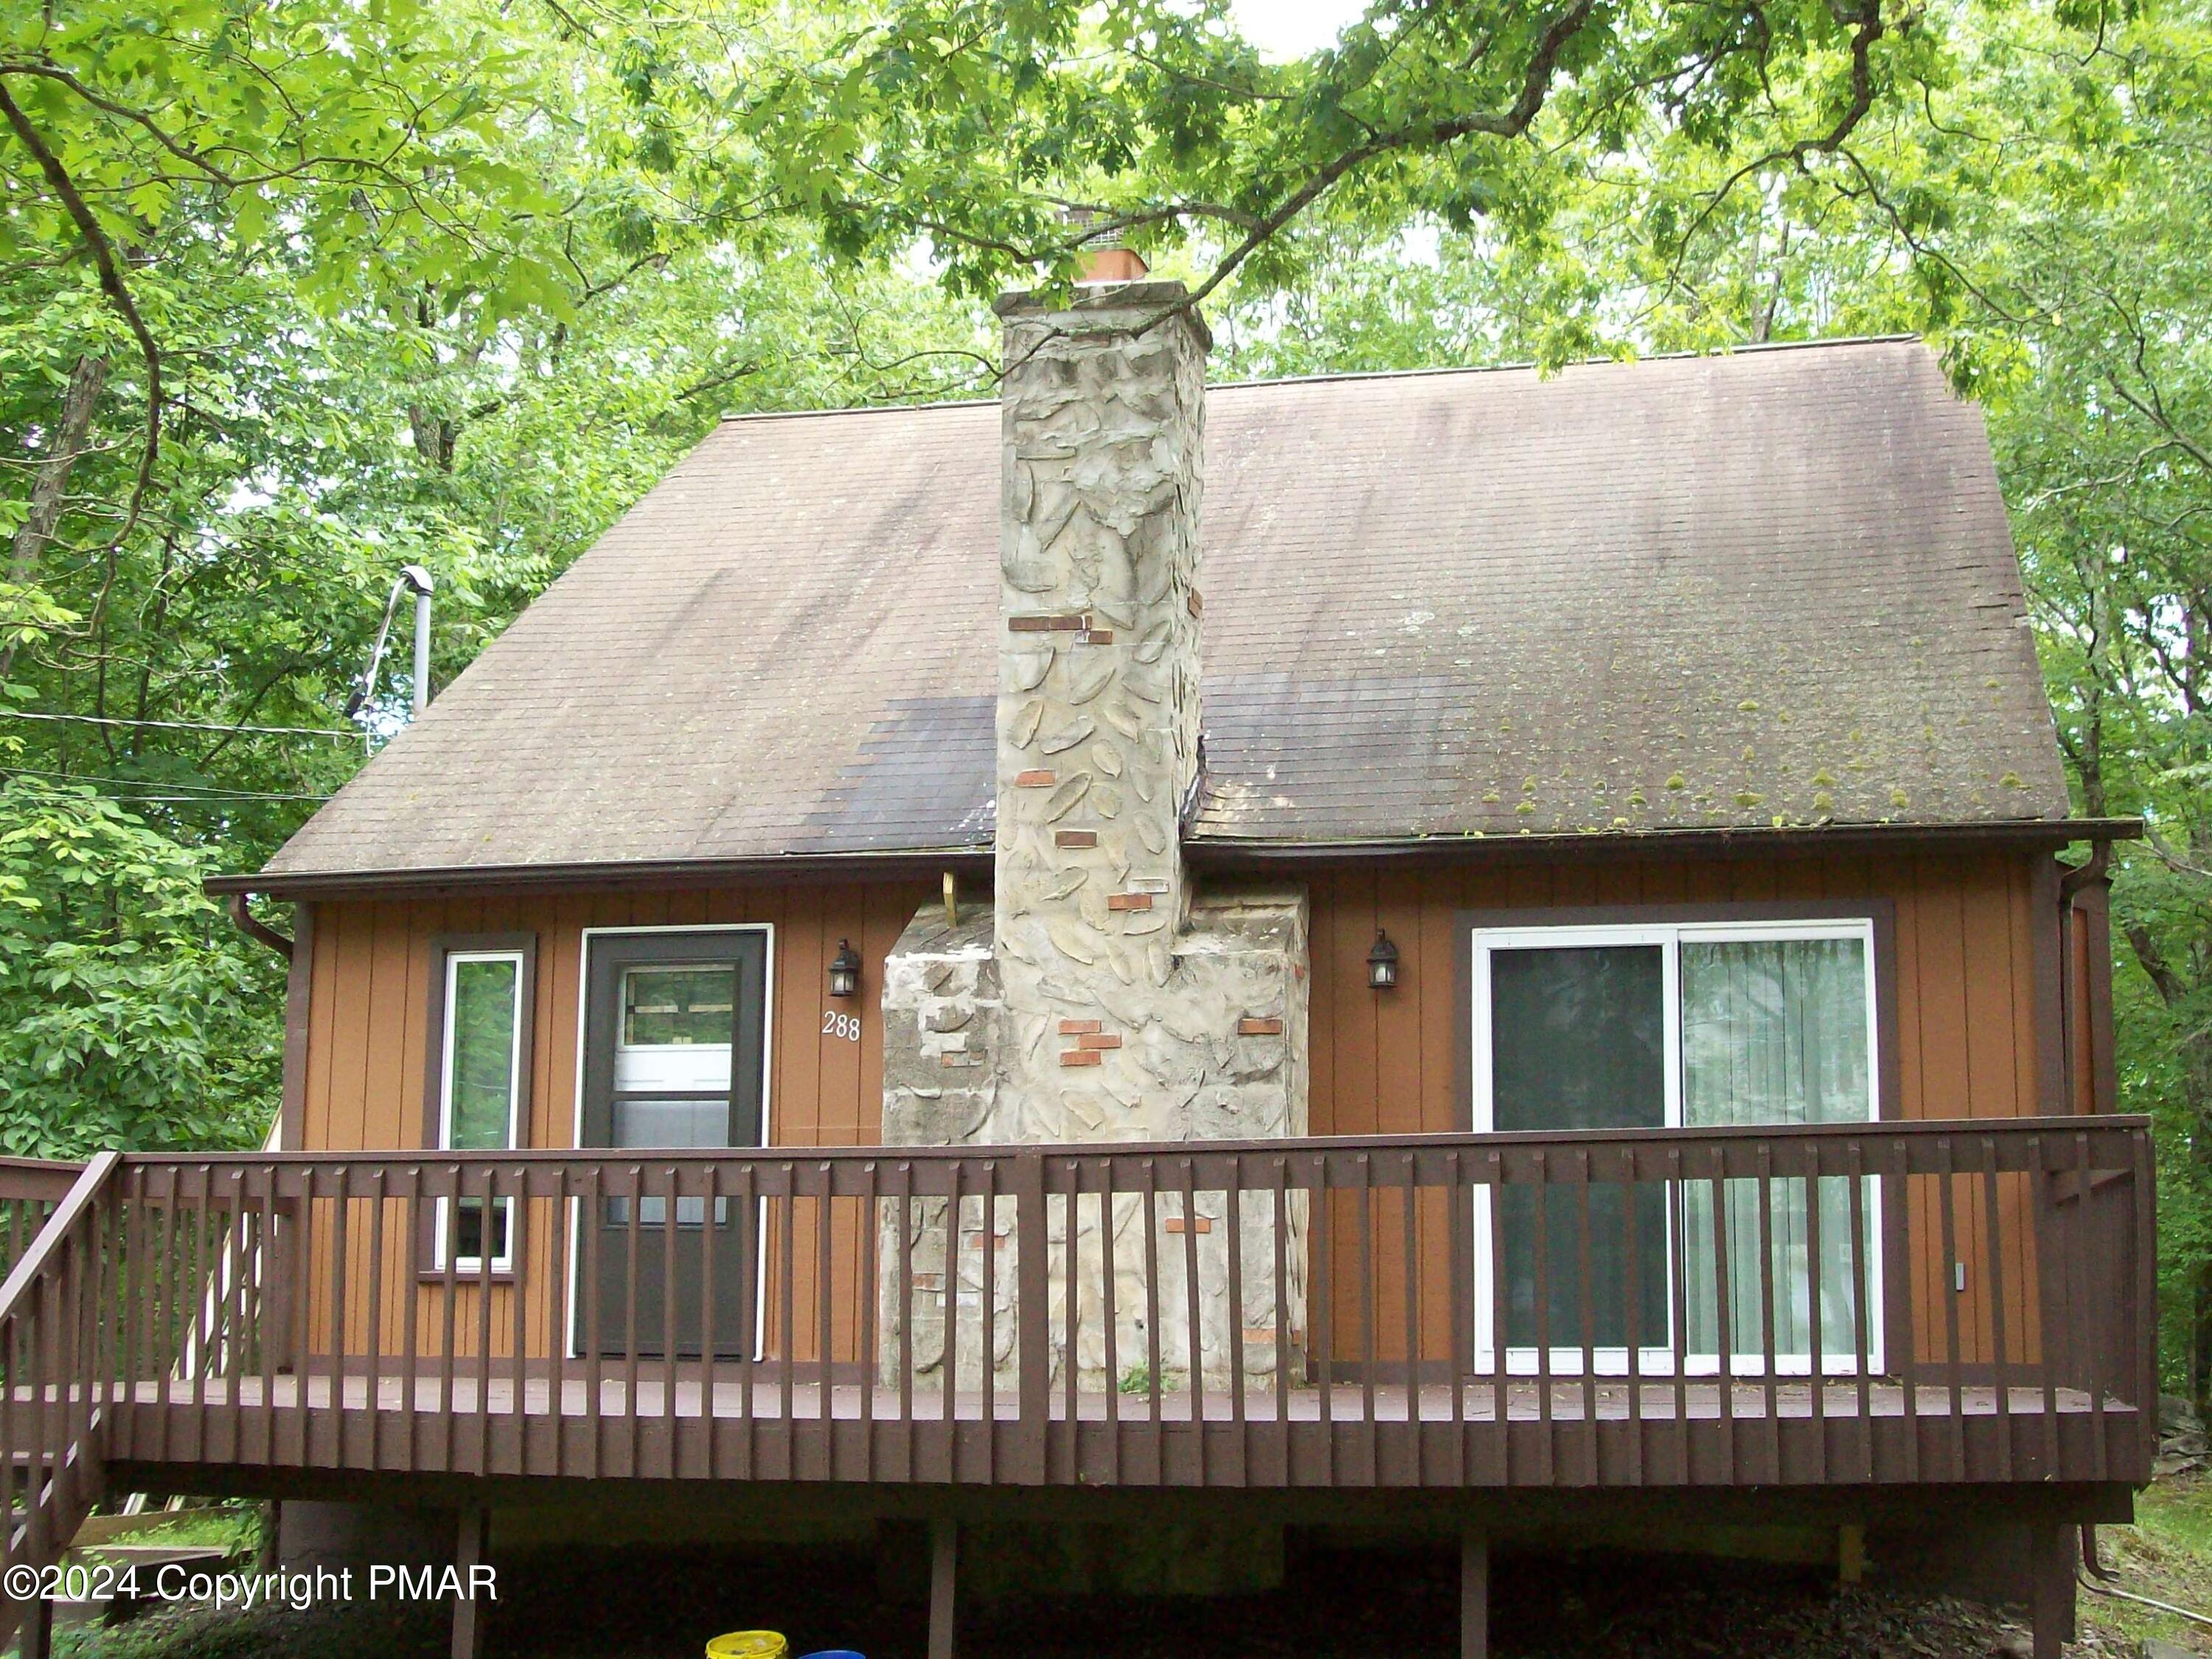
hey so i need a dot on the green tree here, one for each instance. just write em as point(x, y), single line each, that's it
point(299, 291)
point(2038, 204)
point(132, 1012)
point(295, 294)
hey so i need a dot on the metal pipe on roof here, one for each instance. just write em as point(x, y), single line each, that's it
point(421, 580)
point(416, 577)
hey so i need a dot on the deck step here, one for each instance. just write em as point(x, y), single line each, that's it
point(103, 1530)
point(153, 1555)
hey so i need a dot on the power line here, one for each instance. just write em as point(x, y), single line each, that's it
point(187, 726)
point(211, 792)
point(200, 800)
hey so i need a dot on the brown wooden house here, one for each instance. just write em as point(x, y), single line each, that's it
point(1471, 951)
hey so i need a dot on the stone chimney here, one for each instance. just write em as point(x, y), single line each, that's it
point(1105, 996)
point(1102, 421)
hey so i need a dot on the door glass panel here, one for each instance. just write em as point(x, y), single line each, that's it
point(1578, 1041)
point(670, 1123)
point(480, 1087)
point(1773, 1032)
point(676, 1029)
point(679, 1006)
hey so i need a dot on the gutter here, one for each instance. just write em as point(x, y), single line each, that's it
point(253, 927)
point(2080, 875)
point(1206, 854)
point(662, 873)
point(1203, 854)
point(2091, 871)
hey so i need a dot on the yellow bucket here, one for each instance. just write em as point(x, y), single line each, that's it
point(749, 1645)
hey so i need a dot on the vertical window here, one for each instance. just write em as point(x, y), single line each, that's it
point(480, 1066)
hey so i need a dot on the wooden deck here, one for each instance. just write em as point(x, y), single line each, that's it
point(217, 1321)
point(927, 1318)
point(725, 1426)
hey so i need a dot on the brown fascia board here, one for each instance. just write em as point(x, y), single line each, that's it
point(658, 873)
point(1226, 855)
point(1203, 855)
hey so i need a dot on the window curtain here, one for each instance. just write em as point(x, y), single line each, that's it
point(1774, 1031)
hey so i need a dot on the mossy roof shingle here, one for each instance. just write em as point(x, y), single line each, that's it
point(1699, 592)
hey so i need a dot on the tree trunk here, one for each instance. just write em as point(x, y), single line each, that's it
point(86, 380)
point(52, 482)
point(50, 487)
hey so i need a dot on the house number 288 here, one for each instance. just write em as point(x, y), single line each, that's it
point(847, 1026)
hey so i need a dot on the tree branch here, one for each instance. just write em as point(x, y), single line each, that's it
point(111, 284)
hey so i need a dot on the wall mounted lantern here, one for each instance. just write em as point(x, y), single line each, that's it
point(844, 970)
point(1383, 962)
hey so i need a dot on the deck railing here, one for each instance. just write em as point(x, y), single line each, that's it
point(1965, 1301)
point(53, 1417)
point(30, 1189)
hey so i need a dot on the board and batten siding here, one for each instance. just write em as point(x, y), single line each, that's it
point(366, 1069)
point(1978, 1027)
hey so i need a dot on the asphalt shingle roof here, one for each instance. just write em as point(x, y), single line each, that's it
point(1701, 592)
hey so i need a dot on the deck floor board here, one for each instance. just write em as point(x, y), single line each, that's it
point(1661, 1403)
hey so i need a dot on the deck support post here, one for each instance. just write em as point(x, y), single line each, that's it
point(36, 1639)
point(1851, 1553)
point(2050, 1571)
point(469, 1548)
point(944, 1585)
point(1474, 1594)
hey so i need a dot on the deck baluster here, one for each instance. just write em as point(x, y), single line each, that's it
point(2000, 1350)
point(1950, 1290)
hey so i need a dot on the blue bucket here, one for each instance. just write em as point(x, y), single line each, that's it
point(833, 1653)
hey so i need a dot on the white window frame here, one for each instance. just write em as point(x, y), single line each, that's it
point(503, 1261)
point(1669, 937)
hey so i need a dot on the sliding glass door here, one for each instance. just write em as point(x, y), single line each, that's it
point(1578, 1041)
point(1734, 1025)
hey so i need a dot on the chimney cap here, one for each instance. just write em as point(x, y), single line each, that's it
point(1099, 263)
point(1101, 257)
point(1106, 306)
